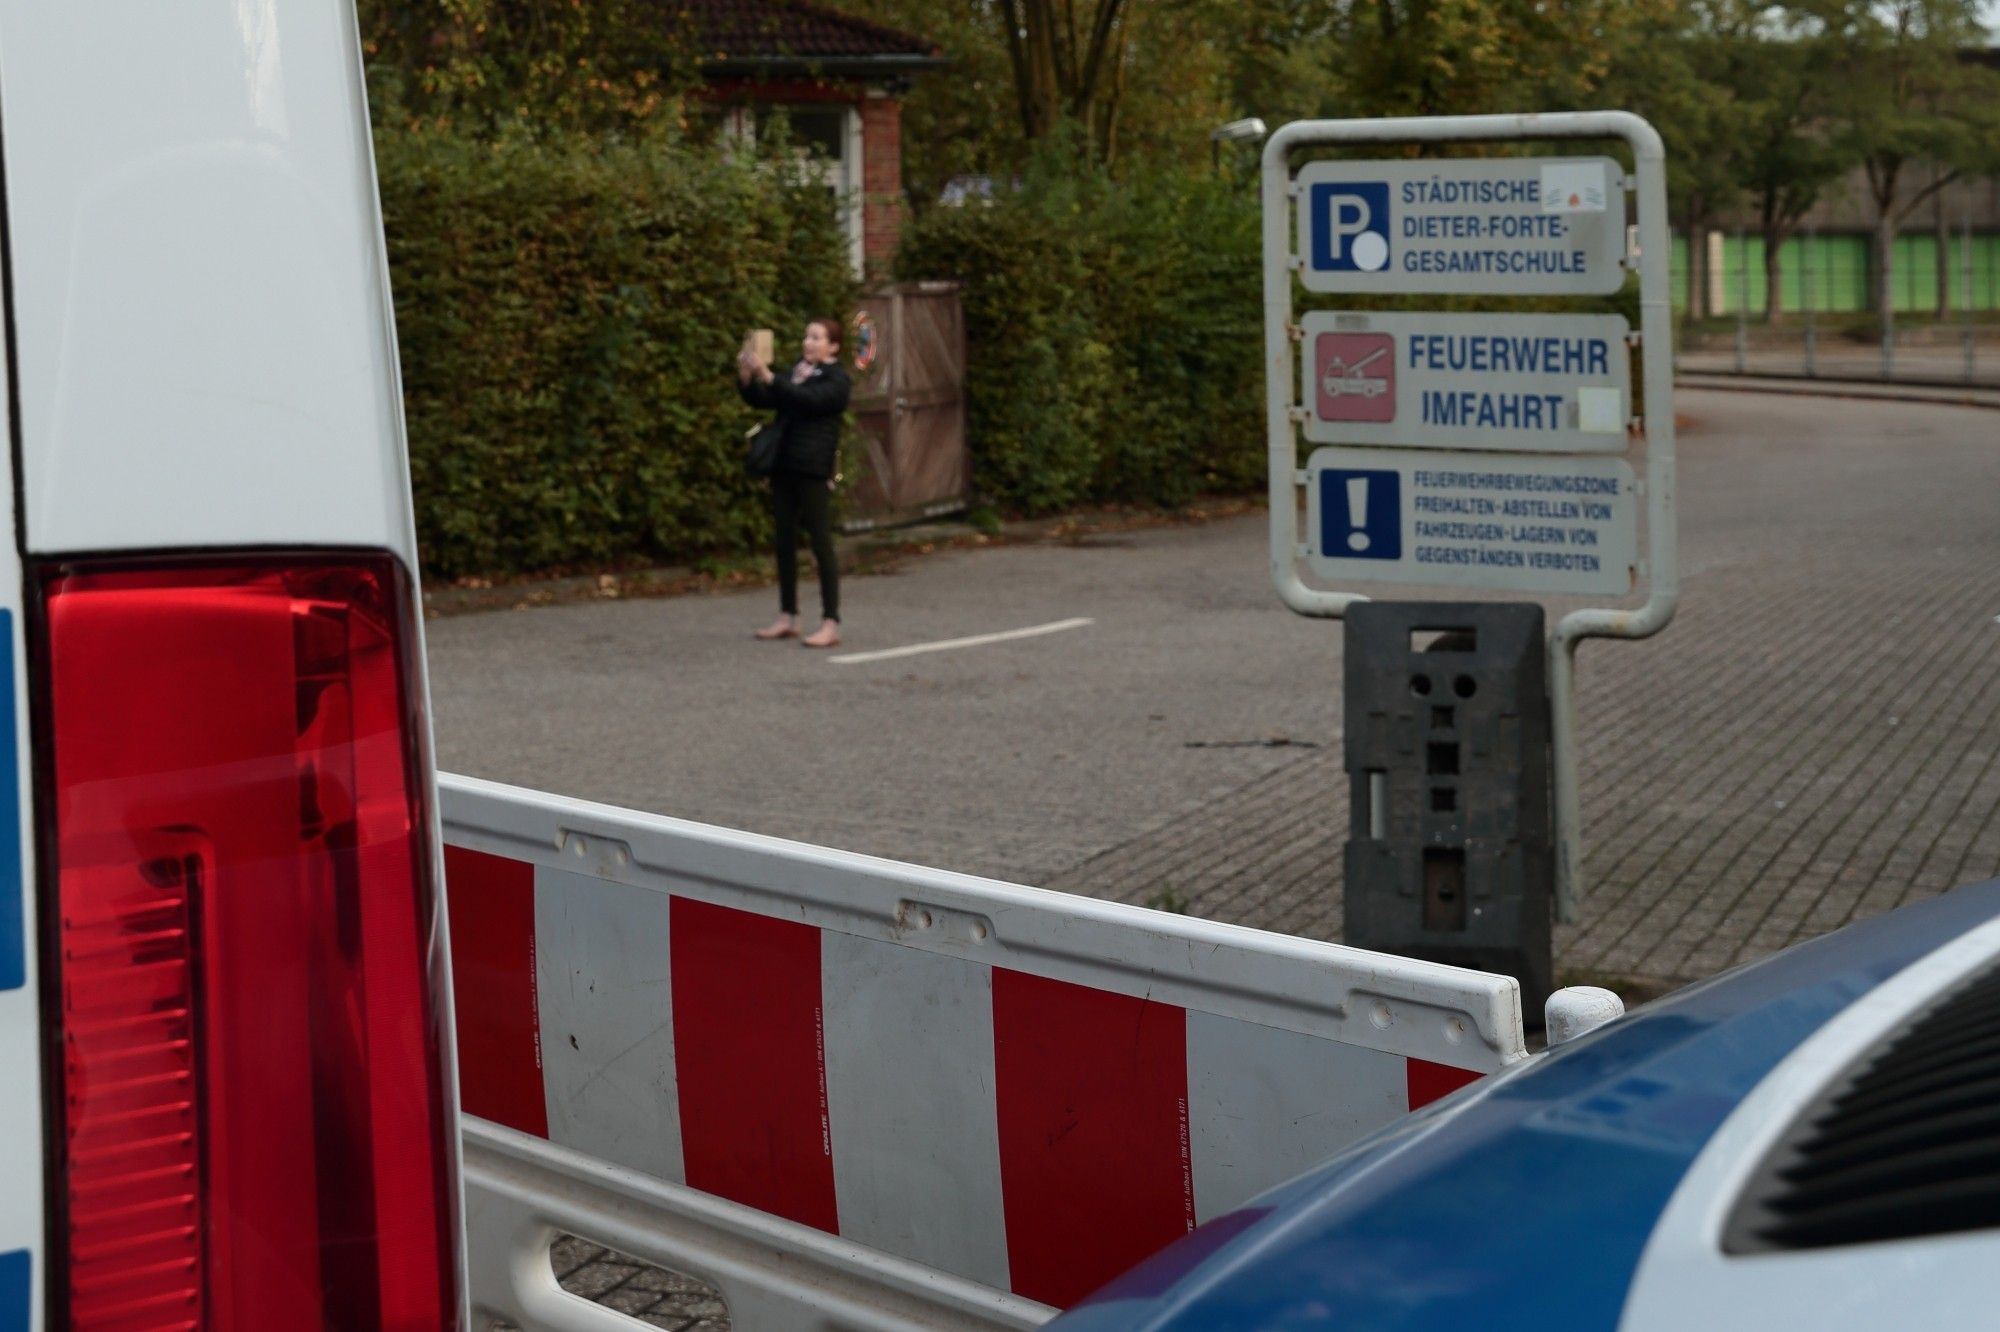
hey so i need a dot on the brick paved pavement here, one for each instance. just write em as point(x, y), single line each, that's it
point(654, 1297)
point(1815, 739)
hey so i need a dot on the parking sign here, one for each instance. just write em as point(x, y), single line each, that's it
point(1350, 232)
point(1514, 226)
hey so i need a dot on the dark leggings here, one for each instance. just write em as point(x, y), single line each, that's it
point(799, 499)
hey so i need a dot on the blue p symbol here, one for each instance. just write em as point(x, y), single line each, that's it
point(1350, 226)
point(1361, 514)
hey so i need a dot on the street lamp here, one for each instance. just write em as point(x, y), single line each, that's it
point(1248, 130)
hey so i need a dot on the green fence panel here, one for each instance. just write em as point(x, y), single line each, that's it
point(1914, 274)
point(1975, 271)
point(1831, 274)
point(1846, 268)
point(1824, 274)
point(1742, 272)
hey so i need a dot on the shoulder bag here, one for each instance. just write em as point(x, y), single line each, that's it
point(761, 459)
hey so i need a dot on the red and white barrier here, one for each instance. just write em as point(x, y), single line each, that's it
point(913, 1060)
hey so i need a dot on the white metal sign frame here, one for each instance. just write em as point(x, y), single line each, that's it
point(1281, 331)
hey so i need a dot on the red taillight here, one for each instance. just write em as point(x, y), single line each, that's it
point(243, 940)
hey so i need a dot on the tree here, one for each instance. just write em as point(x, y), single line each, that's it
point(1671, 69)
point(1172, 82)
point(1909, 98)
point(961, 121)
point(1784, 156)
point(1068, 57)
point(1278, 55)
point(604, 65)
point(1171, 74)
point(1467, 57)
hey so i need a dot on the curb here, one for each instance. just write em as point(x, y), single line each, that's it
point(1881, 391)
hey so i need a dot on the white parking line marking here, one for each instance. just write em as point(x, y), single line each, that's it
point(947, 644)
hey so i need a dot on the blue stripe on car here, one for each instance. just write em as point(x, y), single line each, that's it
point(1526, 1206)
point(14, 1278)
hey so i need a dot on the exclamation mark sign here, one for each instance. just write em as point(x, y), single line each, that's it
point(1357, 512)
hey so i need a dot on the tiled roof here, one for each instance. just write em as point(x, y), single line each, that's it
point(787, 30)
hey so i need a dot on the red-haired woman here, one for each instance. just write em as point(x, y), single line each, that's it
point(809, 399)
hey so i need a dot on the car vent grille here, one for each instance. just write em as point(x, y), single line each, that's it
point(1906, 1143)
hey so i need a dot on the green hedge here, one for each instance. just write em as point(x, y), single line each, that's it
point(568, 314)
point(1114, 335)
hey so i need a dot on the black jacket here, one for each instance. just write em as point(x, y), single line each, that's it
point(809, 414)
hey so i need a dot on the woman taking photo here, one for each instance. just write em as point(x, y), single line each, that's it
point(808, 399)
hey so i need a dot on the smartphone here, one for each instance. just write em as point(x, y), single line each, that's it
point(762, 344)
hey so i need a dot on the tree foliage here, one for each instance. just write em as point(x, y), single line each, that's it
point(1114, 328)
point(568, 313)
point(1785, 159)
point(591, 65)
point(1068, 60)
point(1461, 57)
point(962, 122)
point(1666, 73)
point(1909, 99)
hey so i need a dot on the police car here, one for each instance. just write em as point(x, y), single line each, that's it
point(1811, 1141)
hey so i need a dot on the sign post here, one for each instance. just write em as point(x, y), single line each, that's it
point(1479, 450)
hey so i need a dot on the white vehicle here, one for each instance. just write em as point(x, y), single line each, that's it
point(223, 1018)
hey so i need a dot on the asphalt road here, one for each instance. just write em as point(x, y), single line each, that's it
point(1016, 759)
point(1814, 738)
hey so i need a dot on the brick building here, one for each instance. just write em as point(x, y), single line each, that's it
point(840, 82)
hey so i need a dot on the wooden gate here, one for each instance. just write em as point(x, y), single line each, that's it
point(910, 462)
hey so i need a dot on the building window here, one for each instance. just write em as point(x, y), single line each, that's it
point(814, 131)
